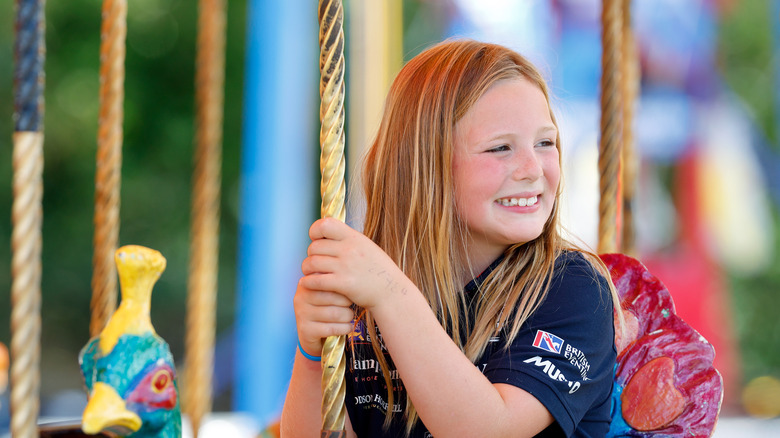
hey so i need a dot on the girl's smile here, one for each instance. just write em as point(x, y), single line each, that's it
point(521, 202)
point(505, 168)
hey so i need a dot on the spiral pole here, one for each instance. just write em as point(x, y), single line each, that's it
point(332, 188)
point(108, 170)
point(27, 217)
point(204, 246)
point(611, 127)
point(629, 85)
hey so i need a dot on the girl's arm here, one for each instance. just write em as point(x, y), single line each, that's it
point(301, 412)
point(451, 395)
point(318, 314)
point(301, 415)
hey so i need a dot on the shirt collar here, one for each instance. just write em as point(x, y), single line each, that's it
point(472, 285)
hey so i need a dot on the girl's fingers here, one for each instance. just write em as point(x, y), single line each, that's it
point(331, 315)
point(317, 322)
point(321, 306)
point(329, 228)
point(311, 336)
point(321, 282)
point(323, 247)
point(318, 264)
point(325, 298)
point(320, 229)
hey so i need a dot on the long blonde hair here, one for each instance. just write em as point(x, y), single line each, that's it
point(410, 204)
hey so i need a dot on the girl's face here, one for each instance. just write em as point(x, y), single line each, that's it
point(505, 168)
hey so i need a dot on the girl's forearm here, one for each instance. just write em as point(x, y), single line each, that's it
point(301, 413)
point(452, 397)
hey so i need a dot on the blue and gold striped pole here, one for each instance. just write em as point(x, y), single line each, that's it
point(27, 217)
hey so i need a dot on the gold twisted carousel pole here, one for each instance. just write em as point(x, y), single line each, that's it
point(630, 88)
point(108, 162)
point(331, 37)
point(27, 218)
point(611, 127)
point(204, 246)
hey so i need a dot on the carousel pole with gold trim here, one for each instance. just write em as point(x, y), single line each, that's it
point(609, 163)
point(332, 187)
point(27, 217)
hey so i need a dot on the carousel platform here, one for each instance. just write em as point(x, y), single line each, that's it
point(237, 425)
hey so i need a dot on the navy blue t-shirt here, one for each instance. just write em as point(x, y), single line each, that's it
point(564, 356)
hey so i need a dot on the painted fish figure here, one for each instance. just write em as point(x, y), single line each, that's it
point(128, 369)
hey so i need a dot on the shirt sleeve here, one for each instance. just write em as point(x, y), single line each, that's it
point(564, 354)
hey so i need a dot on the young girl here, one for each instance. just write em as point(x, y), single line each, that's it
point(467, 312)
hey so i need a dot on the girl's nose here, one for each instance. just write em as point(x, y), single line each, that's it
point(527, 165)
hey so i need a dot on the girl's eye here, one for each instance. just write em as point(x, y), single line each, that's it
point(501, 148)
point(545, 143)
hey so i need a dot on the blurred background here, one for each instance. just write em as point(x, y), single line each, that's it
point(706, 131)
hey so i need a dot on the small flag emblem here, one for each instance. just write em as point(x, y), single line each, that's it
point(548, 342)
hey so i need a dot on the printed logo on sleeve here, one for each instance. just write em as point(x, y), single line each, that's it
point(359, 333)
point(548, 342)
point(554, 373)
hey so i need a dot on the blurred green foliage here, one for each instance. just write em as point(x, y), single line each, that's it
point(747, 51)
point(156, 168)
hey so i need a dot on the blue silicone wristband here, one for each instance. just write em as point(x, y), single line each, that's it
point(307, 355)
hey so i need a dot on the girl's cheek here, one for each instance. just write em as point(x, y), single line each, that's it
point(487, 164)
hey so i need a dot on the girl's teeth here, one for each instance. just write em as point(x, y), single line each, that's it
point(522, 202)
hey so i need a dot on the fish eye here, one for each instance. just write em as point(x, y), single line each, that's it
point(161, 380)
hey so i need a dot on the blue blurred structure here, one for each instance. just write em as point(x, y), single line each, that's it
point(771, 159)
point(4, 413)
point(277, 196)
